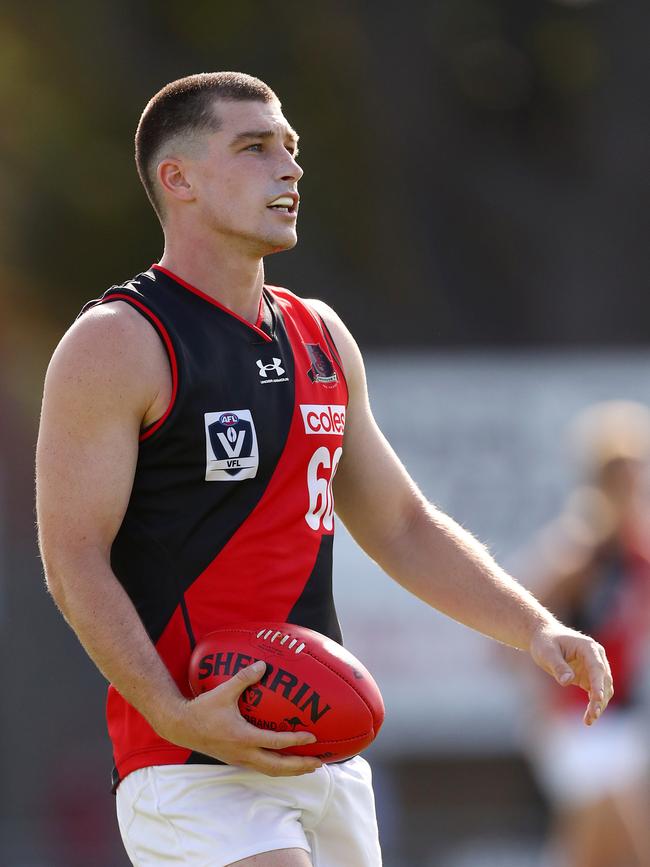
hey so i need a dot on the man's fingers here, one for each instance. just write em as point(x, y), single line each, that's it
point(245, 677)
point(600, 691)
point(557, 665)
point(276, 765)
point(596, 671)
point(587, 666)
point(596, 706)
point(609, 681)
point(594, 710)
point(275, 740)
point(602, 684)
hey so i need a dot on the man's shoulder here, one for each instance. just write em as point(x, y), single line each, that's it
point(315, 305)
point(108, 366)
point(106, 343)
point(109, 327)
point(135, 289)
point(117, 313)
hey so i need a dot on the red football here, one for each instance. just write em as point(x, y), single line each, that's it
point(311, 683)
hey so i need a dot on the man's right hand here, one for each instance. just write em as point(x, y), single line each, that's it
point(212, 724)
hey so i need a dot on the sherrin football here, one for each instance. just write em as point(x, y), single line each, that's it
point(311, 683)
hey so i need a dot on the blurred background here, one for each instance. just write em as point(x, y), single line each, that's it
point(475, 205)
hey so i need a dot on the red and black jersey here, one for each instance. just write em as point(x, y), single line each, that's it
point(613, 608)
point(231, 514)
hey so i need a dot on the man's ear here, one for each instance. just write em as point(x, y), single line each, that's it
point(173, 179)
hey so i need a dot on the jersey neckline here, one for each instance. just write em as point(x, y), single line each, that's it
point(256, 326)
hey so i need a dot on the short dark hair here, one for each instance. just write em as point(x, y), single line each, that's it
point(186, 106)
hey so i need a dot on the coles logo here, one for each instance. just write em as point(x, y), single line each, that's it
point(323, 418)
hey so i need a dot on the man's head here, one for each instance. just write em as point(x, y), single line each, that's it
point(217, 145)
point(611, 443)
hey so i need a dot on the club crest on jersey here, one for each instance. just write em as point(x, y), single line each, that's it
point(231, 448)
point(322, 369)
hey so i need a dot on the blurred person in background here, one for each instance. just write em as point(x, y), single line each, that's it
point(591, 567)
point(151, 540)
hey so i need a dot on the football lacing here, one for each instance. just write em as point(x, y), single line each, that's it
point(264, 635)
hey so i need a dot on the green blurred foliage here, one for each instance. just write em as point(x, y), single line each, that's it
point(457, 155)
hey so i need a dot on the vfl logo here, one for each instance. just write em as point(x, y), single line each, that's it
point(231, 446)
point(322, 369)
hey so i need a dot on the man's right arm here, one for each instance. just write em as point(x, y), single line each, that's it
point(105, 380)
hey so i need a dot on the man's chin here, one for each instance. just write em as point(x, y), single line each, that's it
point(279, 245)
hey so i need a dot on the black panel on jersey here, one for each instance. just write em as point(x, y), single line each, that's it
point(138, 554)
point(195, 758)
point(178, 545)
point(314, 608)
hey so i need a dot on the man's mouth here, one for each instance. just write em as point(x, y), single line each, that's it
point(287, 204)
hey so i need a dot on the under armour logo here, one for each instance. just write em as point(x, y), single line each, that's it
point(276, 367)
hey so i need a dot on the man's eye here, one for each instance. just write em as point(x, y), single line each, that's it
point(255, 147)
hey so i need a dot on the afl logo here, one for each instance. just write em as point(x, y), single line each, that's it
point(228, 419)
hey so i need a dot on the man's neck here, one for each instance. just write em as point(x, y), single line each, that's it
point(230, 277)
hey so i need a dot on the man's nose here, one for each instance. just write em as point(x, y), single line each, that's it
point(290, 170)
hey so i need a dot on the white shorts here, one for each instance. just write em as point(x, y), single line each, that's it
point(576, 764)
point(213, 815)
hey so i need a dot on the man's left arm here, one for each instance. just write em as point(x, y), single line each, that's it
point(435, 559)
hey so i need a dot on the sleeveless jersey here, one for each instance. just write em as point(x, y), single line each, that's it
point(231, 514)
point(614, 610)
